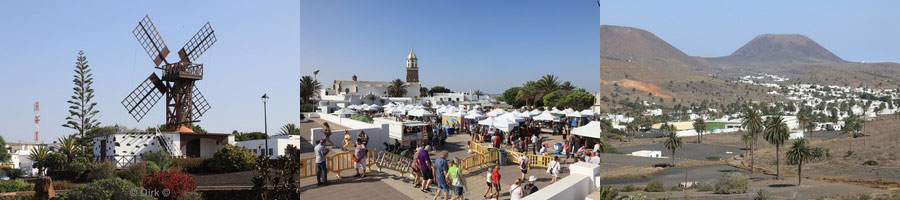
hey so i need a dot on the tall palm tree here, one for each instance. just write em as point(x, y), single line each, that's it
point(673, 142)
point(701, 127)
point(289, 129)
point(309, 88)
point(798, 153)
point(397, 88)
point(39, 157)
point(752, 122)
point(776, 133)
point(478, 93)
point(69, 146)
point(528, 93)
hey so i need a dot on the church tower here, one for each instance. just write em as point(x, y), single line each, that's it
point(412, 67)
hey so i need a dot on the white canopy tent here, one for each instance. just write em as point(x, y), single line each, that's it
point(344, 111)
point(420, 113)
point(587, 112)
point(501, 123)
point(591, 130)
point(474, 116)
point(512, 117)
point(545, 116)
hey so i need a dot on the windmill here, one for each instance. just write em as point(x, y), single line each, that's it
point(184, 102)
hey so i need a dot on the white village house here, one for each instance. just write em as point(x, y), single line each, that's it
point(277, 145)
point(125, 149)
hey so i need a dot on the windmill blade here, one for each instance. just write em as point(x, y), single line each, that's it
point(144, 97)
point(200, 105)
point(198, 44)
point(151, 41)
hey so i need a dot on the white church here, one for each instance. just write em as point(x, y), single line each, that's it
point(354, 91)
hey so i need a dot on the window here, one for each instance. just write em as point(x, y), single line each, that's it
point(270, 151)
point(117, 144)
point(255, 151)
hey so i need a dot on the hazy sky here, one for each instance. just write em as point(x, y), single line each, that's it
point(463, 45)
point(854, 30)
point(256, 53)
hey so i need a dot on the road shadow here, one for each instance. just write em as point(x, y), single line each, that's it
point(781, 185)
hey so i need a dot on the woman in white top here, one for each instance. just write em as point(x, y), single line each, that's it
point(553, 169)
point(489, 185)
point(515, 190)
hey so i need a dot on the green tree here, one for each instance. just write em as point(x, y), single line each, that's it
point(4, 153)
point(438, 89)
point(798, 153)
point(552, 98)
point(289, 129)
point(478, 93)
point(423, 91)
point(39, 156)
point(509, 96)
point(82, 108)
point(852, 126)
point(578, 100)
point(530, 94)
point(752, 122)
point(673, 142)
point(308, 88)
point(701, 127)
point(397, 88)
point(776, 133)
point(68, 145)
point(244, 136)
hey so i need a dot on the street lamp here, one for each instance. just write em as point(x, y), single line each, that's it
point(265, 123)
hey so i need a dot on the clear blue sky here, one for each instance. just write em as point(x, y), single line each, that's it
point(256, 53)
point(854, 30)
point(463, 45)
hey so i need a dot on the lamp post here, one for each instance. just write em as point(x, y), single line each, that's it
point(265, 124)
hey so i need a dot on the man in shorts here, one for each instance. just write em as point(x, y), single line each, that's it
point(440, 176)
point(524, 165)
point(360, 158)
point(424, 162)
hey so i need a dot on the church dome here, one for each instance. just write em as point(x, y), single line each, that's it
point(412, 55)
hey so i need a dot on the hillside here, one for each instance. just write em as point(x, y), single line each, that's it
point(803, 61)
point(638, 65)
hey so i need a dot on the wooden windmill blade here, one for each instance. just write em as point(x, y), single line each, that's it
point(199, 104)
point(144, 97)
point(151, 41)
point(198, 44)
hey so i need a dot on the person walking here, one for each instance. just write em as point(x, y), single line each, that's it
point(515, 190)
point(362, 137)
point(553, 169)
point(524, 165)
point(360, 159)
point(415, 167)
point(490, 184)
point(457, 183)
point(529, 187)
point(440, 176)
point(425, 168)
point(321, 168)
point(495, 181)
point(535, 144)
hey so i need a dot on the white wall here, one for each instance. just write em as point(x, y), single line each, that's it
point(576, 186)
point(377, 136)
point(278, 144)
point(346, 122)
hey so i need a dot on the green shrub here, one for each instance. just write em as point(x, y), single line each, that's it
point(160, 158)
point(136, 173)
point(78, 166)
point(732, 183)
point(703, 187)
point(103, 170)
point(871, 163)
point(655, 186)
point(112, 188)
point(714, 158)
point(55, 161)
point(762, 194)
point(64, 185)
point(231, 159)
point(307, 108)
point(676, 188)
point(189, 165)
point(15, 185)
point(629, 188)
point(635, 197)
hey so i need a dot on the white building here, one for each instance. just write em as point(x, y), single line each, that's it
point(277, 145)
point(125, 149)
point(20, 154)
point(647, 153)
point(378, 88)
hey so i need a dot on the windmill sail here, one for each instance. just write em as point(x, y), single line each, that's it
point(198, 44)
point(151, 41)
point(144, 97)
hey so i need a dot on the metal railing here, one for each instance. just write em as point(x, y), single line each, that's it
point(536, 160)
point(335, 163)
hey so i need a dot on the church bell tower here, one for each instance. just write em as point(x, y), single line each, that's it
point(412, 67)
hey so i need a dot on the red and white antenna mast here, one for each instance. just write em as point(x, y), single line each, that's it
point(37, 119)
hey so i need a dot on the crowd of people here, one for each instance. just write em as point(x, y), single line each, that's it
point(321, 151)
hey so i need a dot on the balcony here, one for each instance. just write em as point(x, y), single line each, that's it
point(177, 71)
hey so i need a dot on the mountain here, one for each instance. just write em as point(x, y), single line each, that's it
point(779, 49)
point(626, 43)
point(636, 65)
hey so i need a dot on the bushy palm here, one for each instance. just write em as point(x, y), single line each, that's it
point(39, 156)
point(673, 142)
point(798, 153)
point(69, 146)
point(397, 88)
point(776, 133)
point(701, 127)
point(605, 192)
point(289, 129)
point(852, 126)
point(752, 122)
point(308, 88)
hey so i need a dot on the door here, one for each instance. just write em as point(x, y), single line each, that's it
point(193, 148)
point(102, 149)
